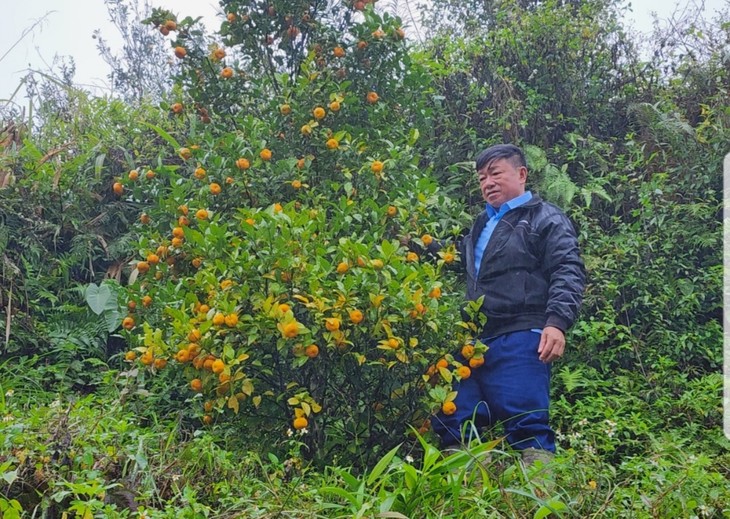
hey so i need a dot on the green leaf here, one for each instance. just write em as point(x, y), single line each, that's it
point(162, 133)
point(97, 297)
point(382, 465)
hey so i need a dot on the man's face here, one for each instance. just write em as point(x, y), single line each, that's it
point(501, 181)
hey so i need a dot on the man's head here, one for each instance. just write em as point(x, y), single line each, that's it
point(502, 173)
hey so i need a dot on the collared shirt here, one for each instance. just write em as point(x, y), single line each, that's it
point(494, 218)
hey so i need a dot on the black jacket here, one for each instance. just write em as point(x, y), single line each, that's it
point(531, 274)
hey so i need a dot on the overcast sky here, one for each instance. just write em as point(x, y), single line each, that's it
point(67, 26)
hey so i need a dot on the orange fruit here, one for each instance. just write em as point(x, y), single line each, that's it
point(339, 52)
point(265, 154)
point(218, 366)
point(178, 232)
point(196, 385)
point(435, 293)
point(342, 267)
point(467, 351)
point(442, 363)
point(372, 97)
point(177, 108)
point(393, 343)
point(332, 144)
point(319, 113)
point(420, 308)
point(285, 109)
point(476, 362)
point(335, 106)
point(229, 180)
point(378, 34)
point(250, 221)
point(356, 316)
point(133, 175)
point(399, 33)
point(392, 210)
point(284, 308)
point(147, 358)
point(300, 423)
point(362, 44)
point(219, 54)
point(448, 257)
point(215, 188)
point(132, 305)
point(296, 184)
point(146, 301)
point(199, 173)
point(182, 356)
point(376, 166)
point(143, 267)
point(231, 17)
point(177, 242)
point(183, 221)
point(162, 251)
point(201, 214)
point(427, 239)
point(301, 163)
point(411, 257)
point(153, 259)
point(183, 209)
point(207, 419)
point(306, 130)
point(278, 208)
point(223, 378)
point(160, 363)
point(130, 356)
point(180, 52)
point(170, 25)
point(145, 218)
point(377, 264)
point(448, 408)
point(208, 406)
point(312, 351)
point(118, 188)
point(463, 371)
point(243, 163)
point(227, 72)
point(219, 319)
point(231, 320)
point(291, 330)
point(194, 335)
point(150, 174)
point(332, 324)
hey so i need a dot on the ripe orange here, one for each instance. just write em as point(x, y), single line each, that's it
point(392, 210)
point(376, 166)
point(218, 366)
point(194, 335)
point(339, 52)
point(162, 251)
point(227, 72)
point(411, 257)
point(378, 34)
point(377, 264)
point(448, 408)
point(284, 308)
point(356, 316)
point(153, 259)
point(362, 44)
point(476, 362)
point(219, 319)
point(301, 163)
point(300, 423)
point(170, 25)
point(196, 385)
point(132, 305)
point(332, 144)
point(332, 323)
point(290, 330)
point(160, 363)
point(219, 54)
point(335, 106)
point(243, 163)
point(177, 108)
point(146, 301)
point(181, 52)
point(359, 5)
point(435, 293)
point(250, 221)
point(265, 154)
point(145, 218)
point(342, 267)
point(183, 209)
point(150, 174)
point(208, 406)
point(277, 207)
point(164, 31)
point(201, 214)
point(427, 239)
point(178, 232)
point(420, 308)
point(296, 184)
point(231, 17)
point(306, 130)
point(285, 109)
point(199, 173)
point(463, 371)
point(177, 243)
point(467, 351)
point(393, 343)
point(312, 351)
point(223, 378)
point(319, 113)
point(442, 363)
point(147, 358)
point(215, 188)
point(118, 188)
point(400, 33)
point(229, 180)
point(182, 356)
point(448, 257)
point(231, 320)
point(133, 175)
point(130, 356)
point(207, 419)
point(143, 267)
point(372, 97)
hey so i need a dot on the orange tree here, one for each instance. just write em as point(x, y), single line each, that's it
point(283, 273)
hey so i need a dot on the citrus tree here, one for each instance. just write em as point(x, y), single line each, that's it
point(287, 269)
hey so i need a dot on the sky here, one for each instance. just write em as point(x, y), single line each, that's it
point(65, 28)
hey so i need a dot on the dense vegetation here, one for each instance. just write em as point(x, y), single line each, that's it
point(219, 299)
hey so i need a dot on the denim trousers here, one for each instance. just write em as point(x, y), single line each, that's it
point(511, 388)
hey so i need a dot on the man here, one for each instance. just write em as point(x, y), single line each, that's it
point(522, 256)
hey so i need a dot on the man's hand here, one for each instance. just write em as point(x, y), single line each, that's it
point(552, 344)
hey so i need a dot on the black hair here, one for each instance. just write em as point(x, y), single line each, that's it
point(502, 151)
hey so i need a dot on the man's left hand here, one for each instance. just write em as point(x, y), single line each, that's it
point(552, 344)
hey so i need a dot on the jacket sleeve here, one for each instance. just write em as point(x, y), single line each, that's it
point(564, 270)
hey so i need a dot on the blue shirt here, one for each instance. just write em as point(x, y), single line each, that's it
point(494, 218)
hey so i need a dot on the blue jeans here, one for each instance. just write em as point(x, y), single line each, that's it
point(512, 387)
